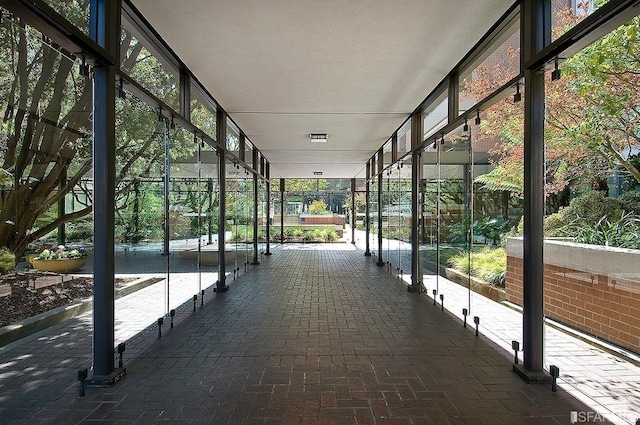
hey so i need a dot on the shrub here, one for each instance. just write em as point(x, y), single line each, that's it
point(631, 202)
point(7, 260)
point(331, 236)
point(622, 233)
point(316, 233)
point(587, 210)
point(487, 264)
point(79, 231)
point(318, 207)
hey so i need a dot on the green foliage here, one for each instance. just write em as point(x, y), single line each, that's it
point(487, 264)
point(622, 233)
point(318, 207)
point(499, 180)
point(584, 211)
point(630, 202)
point(331, 235)
point(7, 260)
point(79, 230)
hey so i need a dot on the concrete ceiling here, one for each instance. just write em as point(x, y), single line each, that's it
point(354, 69)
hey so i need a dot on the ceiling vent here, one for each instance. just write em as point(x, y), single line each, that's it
point(318, 137)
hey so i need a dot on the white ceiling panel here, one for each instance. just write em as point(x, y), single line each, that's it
point(352, 69)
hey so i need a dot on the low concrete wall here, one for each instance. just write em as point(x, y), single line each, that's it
point(592, 288)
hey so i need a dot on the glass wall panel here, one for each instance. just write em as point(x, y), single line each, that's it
point(209, 214)
point(592, 273)
point(232, 183)
point(233, 140)
point(277, 213)
point(45, 174)
point(389, 192)
point(405, 211)
point(492, 69)
point(75, 11)
point(246, 218)
point(248, 152)
point(184, 205)
point(373, 217)
point(404, 139)
point(263, 219)
point(202, 115)
point(140, 218)
point(150, 70)
point(435, 117)
point(565, 14)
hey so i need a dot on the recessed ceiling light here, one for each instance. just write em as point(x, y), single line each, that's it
point(318, 137)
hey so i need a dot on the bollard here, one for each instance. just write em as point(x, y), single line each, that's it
point(172, 313)
point(555, 372)
point(465, 312)
point(82, 375)
point(476, 320)
point(434, 296)
point(121, 348)
point(441, 302)
point(202, 298)
point(516, 347)
point(195, 298)
point(160, 322)
point(401, 274)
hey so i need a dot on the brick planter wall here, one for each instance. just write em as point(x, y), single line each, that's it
point(593, 289)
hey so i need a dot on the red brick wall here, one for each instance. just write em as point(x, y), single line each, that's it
point(322, 219)
point(606, 307)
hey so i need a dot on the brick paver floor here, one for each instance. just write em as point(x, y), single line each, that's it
point(311, 336)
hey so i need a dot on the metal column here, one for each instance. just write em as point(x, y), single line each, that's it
point(268, 235)
point(353, 211)
point(62, 208)
point(221, 135)
point(256, 259)
point(380, 261)
point(416, 140)
point(367, 252)
point(536, 31)
point(105, 30)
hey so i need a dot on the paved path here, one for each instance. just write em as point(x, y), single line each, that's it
point(315, 335)
point(609, 383)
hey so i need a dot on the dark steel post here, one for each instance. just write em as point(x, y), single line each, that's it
point(105, 30)
point(380, 261)
point(535, 30)
point(367, 226)
point(353, 211)
point(416, 140)
point(268, 229)
point(62, 210)
point(221, 135)
point(167, 234)
point(281, 211)
point(255, 220)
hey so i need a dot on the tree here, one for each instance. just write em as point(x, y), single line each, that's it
point(592, 114)
point(45, 138)
point(318, 207)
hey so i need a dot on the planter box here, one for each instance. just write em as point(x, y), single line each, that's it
point(479, 286)
point(66, 265)
point(594, 289)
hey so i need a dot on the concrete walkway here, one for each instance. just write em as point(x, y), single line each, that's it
point(317, 334)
